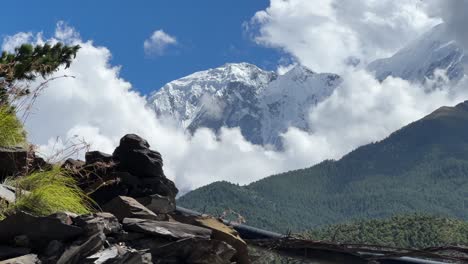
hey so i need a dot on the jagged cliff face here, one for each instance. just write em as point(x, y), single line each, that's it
point(417, 61)
point(262, 103)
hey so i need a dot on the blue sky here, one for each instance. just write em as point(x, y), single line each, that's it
point(209, 33)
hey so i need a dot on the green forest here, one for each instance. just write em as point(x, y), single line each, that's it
point(422, 167)
point(402, 231)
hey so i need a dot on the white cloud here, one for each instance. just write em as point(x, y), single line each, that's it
point(363, 110)
point(101, 107)
point(282, 69)
point(11, 42)
point(324, 34)
point(158, 42)
point(453, 13)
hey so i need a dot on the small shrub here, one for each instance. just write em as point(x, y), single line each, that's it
point(50, 192)
point(11, 129)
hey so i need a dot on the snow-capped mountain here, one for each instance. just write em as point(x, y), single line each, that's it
point(436, 49)
point(262, 103)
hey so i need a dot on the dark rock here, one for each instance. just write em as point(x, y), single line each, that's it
point(162, 186)
point(77, 252)
point(97, 156)
point(38, 163)
point(126, 236)
point(42, 229)
point(123, 207)
point(73, 164)
point(149, 243)
point(171, 230)
point(26, 259)
point(21, 241)
point(134, 156)
point(54, 248)
point(12, 252)
point(158, 204)
point(194, 250)
point(13, 161)
point(221, 232)
point(108, 191)
point(99, 222)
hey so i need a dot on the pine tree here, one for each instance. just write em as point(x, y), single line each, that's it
point(28, 62)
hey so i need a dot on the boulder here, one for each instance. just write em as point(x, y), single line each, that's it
point(13, 161)
point(42, 229)
point(99, 222)
point(127, 207)
point(195, 250)
point(170, 230)
point(77, 252)
point(133, 170)
point(97, 156)
point(134, 156)
point(158, 204)
point(161, 185)
point(106, 191)
point(221, 232)
point(26, 259)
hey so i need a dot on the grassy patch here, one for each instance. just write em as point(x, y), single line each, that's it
point(50, 192)
point(11, 129)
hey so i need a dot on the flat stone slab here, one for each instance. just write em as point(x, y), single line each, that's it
point(26, 259)
point(173, 230)
point(127, 207)
point(36, 228)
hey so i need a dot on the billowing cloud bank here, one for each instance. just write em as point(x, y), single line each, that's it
point(101, 107)
point(327, 34)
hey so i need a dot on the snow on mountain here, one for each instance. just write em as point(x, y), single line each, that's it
point(262, 103)
point(418, 61)
point(289, 98)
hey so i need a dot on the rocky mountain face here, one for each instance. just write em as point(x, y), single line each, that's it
point(262, 103)
point(418, 61)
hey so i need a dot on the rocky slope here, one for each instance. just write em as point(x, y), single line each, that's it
point(263, 104)
point(134, 222)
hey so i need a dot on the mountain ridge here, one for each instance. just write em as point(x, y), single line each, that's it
point(421, 167)
point(262, 103)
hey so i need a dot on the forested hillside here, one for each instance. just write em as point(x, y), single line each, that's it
point(422, 167)
point(403, 231)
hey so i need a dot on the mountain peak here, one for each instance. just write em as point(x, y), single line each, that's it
point(261, 103)
point(299, 69)
point(435, 49)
